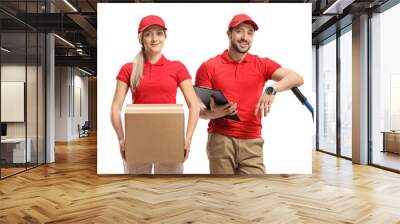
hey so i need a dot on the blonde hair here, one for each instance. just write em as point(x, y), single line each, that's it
point(137, 67)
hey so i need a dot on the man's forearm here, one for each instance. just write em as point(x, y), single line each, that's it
point(292, 79)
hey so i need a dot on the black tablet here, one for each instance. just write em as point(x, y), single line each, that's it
point(205, 94)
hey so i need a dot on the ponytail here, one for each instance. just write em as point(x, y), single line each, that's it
point(137, 67)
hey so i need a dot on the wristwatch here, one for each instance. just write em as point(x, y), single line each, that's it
point(270, 91)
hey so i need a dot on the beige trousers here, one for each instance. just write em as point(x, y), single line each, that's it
point(159, 168)
point(230, 155)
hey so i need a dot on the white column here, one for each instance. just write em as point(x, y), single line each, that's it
point(50, 94)
point(360, 90)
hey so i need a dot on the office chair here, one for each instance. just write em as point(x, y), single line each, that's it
point(84, 130)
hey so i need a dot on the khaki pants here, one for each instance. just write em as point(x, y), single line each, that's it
point(230, 155)
point(159, 168)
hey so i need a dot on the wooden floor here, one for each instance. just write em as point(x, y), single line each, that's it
point(70, 191)
point(10, 171)
point(387, 159)
point(5, 172)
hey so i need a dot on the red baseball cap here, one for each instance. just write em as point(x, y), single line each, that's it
point(151, 20)
point(242, 18)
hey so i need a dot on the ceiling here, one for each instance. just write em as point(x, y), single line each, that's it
point(76, 22)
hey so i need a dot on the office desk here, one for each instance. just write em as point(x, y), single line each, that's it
point(13, 150)
point(391, 141)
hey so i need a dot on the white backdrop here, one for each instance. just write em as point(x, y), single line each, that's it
point(197, 32)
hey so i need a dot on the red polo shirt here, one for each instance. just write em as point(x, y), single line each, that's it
point(160, 81)
point(241, 83)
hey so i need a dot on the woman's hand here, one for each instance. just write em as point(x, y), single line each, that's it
point(122, 148)
point(187, 148)
point(117, 103)
point(194, 111)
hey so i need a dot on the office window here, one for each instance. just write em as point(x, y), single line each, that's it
point(13, 87)
point(385, 89)
point(22, 92)
point(314, 86)
point(327, 96)
point(31, 99)
point(346, 93)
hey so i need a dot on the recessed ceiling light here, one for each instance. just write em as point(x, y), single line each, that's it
point(70, 5)
point(64, 40)
point(338, 6)
point(84, 71)
point(5, 50)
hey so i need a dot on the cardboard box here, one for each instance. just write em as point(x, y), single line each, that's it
point(154, 133)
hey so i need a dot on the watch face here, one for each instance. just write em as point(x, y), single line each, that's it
point(270, 90)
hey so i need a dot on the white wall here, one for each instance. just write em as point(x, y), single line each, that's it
point(61, 103)
point(16, 73)
point(80, 88)
point(287, 129)
point(68, 81)
point(34, 123)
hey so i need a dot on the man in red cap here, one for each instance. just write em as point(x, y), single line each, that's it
point(236, 147)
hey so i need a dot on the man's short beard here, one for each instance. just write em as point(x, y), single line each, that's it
point(238, 49)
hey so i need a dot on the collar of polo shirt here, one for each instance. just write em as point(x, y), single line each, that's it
point(228, 60)
point(160, 61)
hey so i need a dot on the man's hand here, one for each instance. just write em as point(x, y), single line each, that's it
point(219, 111)
point(122, 148)
point(264, 104)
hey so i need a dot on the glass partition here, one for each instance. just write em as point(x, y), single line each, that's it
point(13, 103)
point(346, 93)
point(22, 63)
point(327, 96)
point(385, 89)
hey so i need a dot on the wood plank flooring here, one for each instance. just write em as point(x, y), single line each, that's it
point(70, 191)
point(10, 171)
point(388, 159)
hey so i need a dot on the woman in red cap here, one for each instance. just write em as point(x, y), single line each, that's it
point(153, 79)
